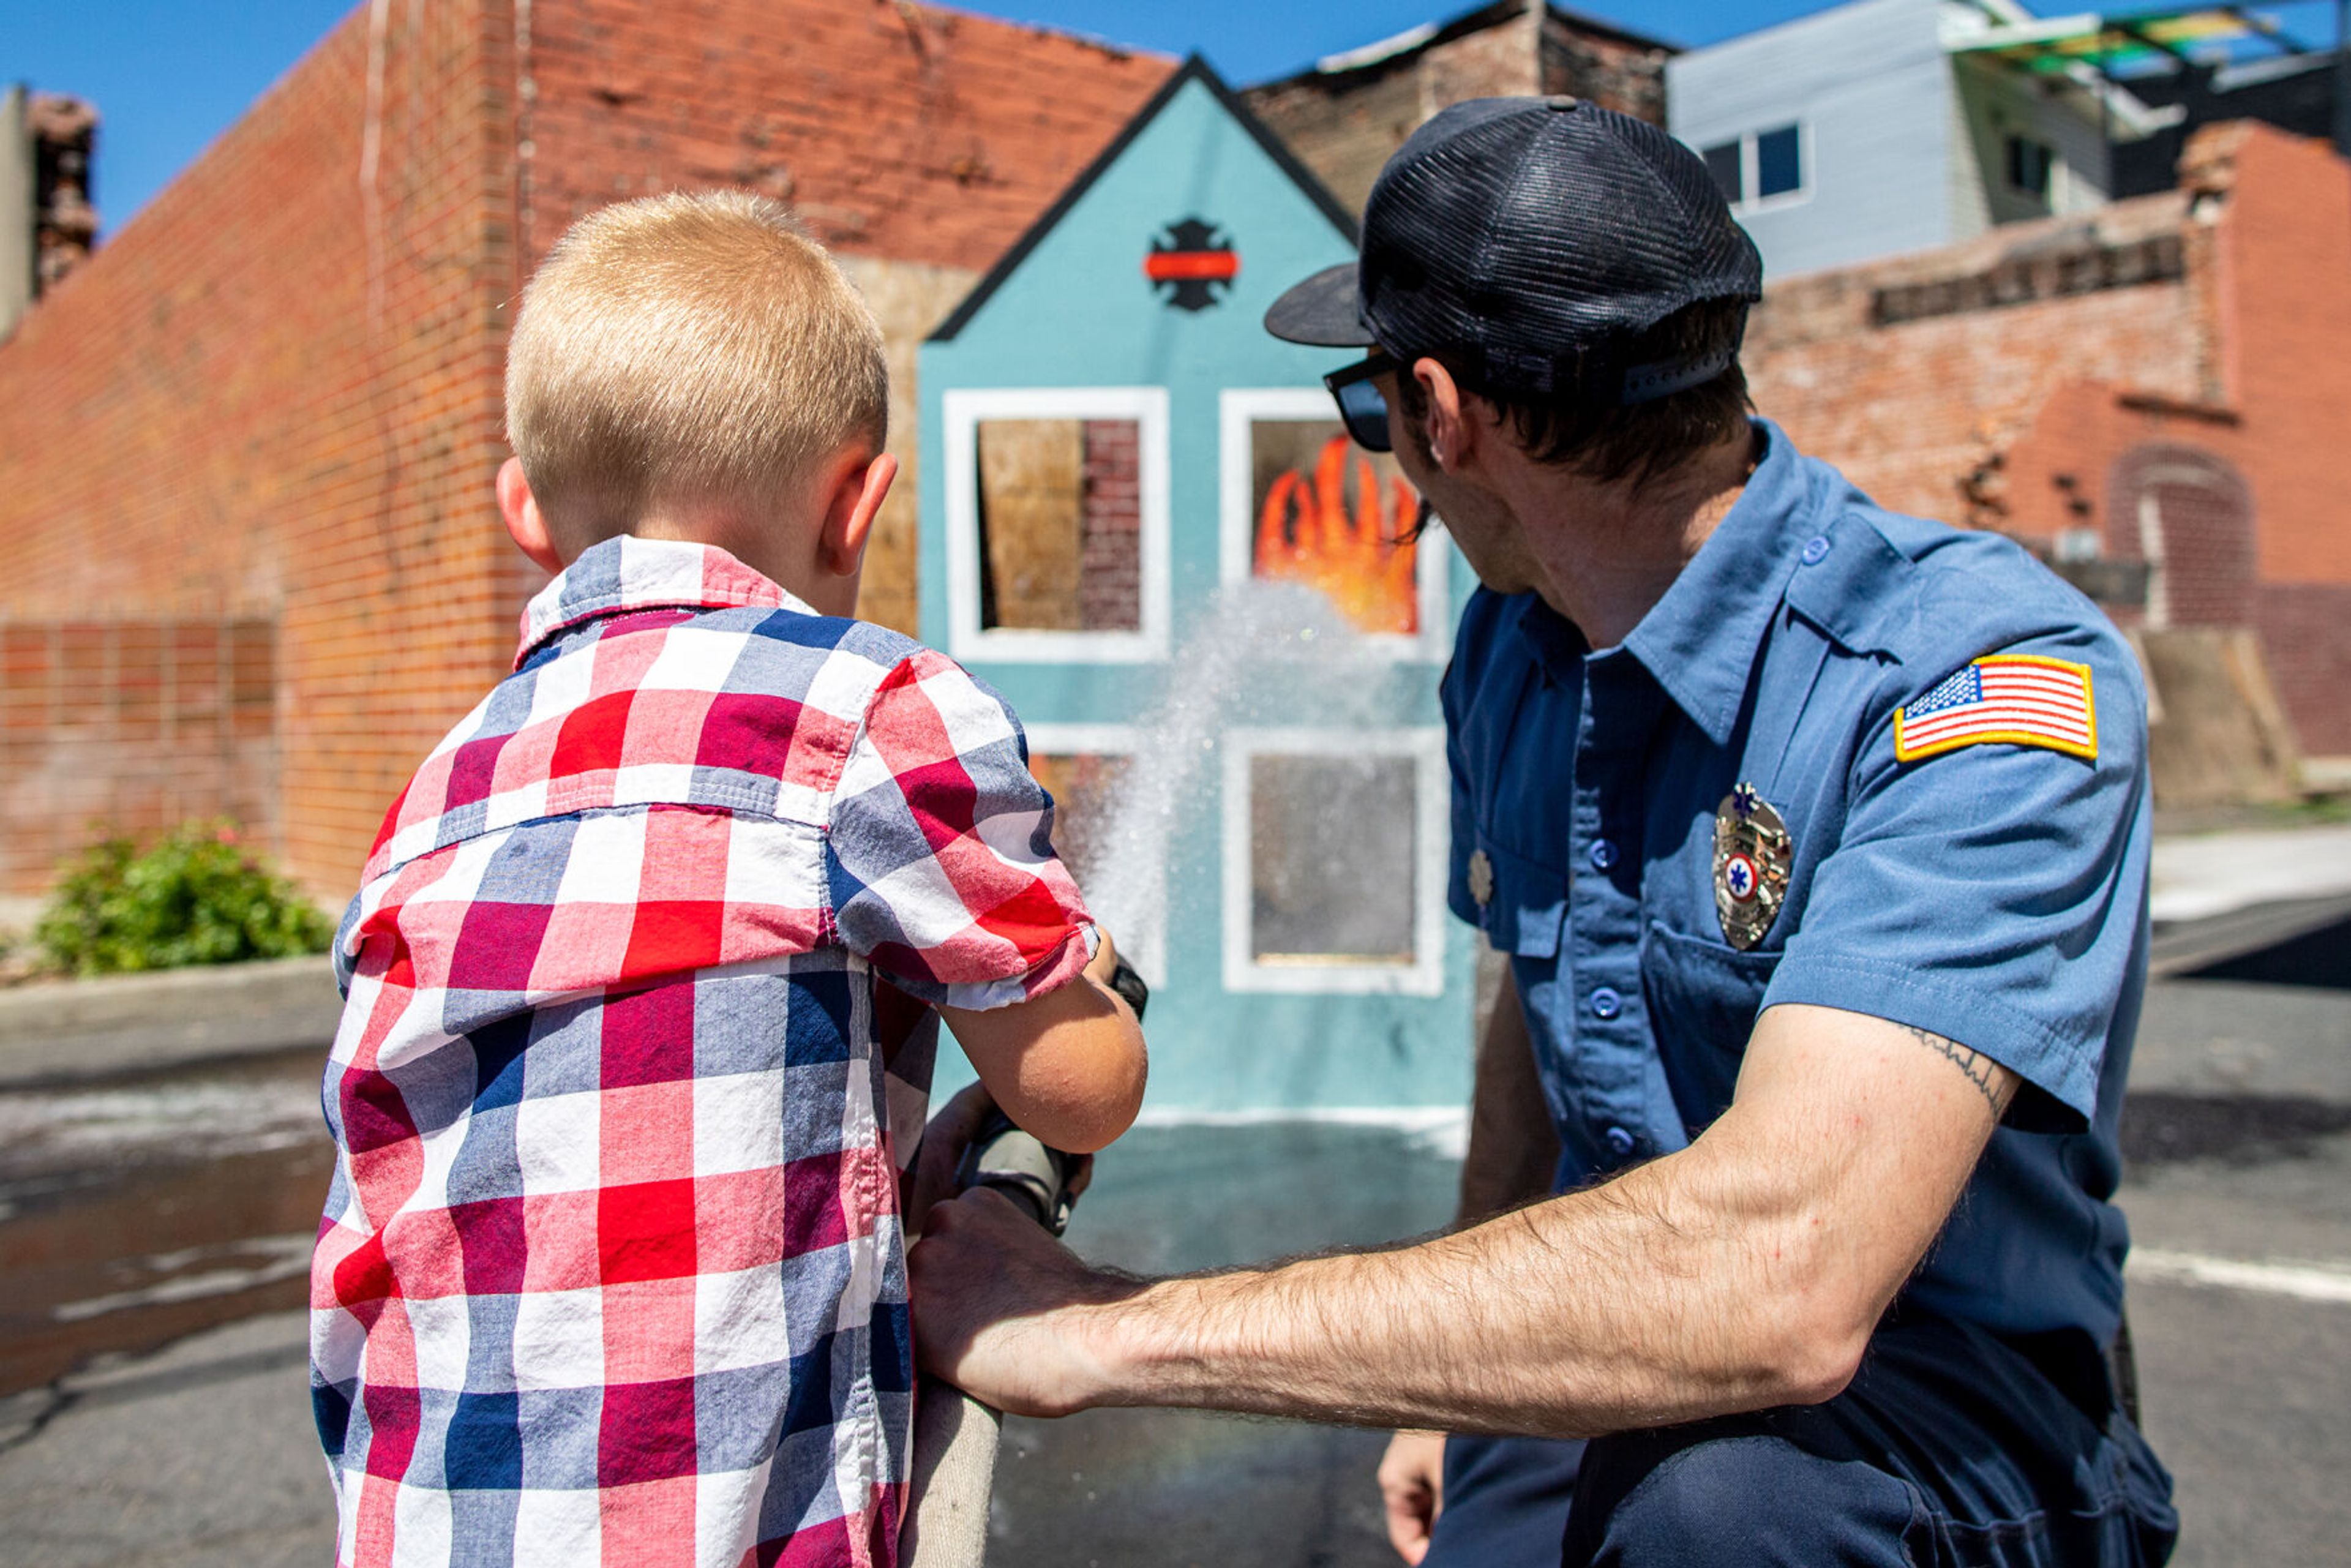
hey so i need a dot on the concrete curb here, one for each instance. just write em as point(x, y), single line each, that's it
point(129, 1023)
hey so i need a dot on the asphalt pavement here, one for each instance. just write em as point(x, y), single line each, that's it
point(152, 1227)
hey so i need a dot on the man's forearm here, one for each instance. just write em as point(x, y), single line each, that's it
point(1513, 1149)
point(1618, 1306)
point(1746, 1271)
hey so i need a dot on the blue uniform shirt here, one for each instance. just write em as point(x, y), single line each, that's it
point(1994, 893)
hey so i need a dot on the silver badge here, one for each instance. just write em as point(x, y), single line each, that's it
point(1482, 878)
point(1752, 853)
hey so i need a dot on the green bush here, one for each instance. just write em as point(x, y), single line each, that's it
point(195, 897)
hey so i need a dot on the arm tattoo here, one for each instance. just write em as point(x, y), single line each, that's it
point(1982, 1070)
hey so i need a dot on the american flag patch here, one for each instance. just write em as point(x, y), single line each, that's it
point(2010, 697)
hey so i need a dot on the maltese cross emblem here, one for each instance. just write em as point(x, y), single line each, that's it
point(1191, 265)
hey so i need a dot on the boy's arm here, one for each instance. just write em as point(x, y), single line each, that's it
point(943, 875)
point(1068, 1065)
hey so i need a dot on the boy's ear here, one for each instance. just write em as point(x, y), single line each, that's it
point(859, 488)
point(525, 523)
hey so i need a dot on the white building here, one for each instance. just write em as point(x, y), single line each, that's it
point(1894, 125)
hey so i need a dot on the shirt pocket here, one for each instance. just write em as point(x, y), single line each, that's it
point(1529, 905)
point(1703, 998)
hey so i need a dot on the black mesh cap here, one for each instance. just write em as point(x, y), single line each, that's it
point(1524, 240)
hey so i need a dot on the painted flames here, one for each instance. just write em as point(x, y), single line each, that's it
point(1346, 540)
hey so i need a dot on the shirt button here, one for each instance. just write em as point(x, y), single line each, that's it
point(1603, 854)
point(1620, 1141)
point(1607, 1003)
point(1816, 550)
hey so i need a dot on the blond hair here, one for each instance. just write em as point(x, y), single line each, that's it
point(687, 350)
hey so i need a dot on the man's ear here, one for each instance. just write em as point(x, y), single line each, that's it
point(858, 489)
point(525, 523)
point(1450, 433)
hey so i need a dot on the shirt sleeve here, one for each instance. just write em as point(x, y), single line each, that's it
point(1457, 897)
point(940, 858)
point(1994, 893)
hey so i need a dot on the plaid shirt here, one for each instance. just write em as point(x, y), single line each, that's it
point(610, 1270)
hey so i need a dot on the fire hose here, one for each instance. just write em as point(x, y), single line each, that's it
point(953, 1471)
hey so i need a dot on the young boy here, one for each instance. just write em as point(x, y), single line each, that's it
point(644, 975)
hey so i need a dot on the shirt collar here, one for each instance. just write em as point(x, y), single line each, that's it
point(1699, 642)
point(626, 574)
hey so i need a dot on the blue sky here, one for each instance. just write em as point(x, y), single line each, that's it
point(168, 76)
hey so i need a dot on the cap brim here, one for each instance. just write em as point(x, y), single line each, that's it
point(1325, 310)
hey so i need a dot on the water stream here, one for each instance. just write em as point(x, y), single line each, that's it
point(1259, 653)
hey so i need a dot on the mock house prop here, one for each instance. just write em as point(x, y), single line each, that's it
point(1113, 453)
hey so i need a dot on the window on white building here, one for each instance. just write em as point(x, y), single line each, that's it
point(1725, 161)
point(1779, 163)
point(1761, 169)
point(2029, 162)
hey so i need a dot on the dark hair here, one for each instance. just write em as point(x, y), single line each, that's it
point(1639, 443)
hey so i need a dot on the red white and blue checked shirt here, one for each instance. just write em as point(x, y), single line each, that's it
point(635, 1045)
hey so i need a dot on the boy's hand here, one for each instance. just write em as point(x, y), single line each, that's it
point(1105, 963)
point(931, 1179)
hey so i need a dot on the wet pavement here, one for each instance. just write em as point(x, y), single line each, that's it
point(153, 1232)
point(1177, 1488)
point(138, 1211)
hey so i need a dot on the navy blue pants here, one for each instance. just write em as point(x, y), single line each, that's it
point(1951, 1448)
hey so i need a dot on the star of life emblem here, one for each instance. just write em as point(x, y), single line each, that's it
point(1752, 853)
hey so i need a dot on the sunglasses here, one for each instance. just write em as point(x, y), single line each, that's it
point(1362, 407)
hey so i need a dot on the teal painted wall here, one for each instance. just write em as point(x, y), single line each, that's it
point(1077, 312)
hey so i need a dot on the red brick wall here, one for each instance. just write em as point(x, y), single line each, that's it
point(1110, 528)
point(1910, 410)
point(2285, 263)
point(917, 143)
point(2044, 415)
point(273, 398)
point(2305, 630)
point(133, 726)
point(894, 130)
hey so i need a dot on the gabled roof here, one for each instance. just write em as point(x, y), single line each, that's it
point(1195, 70)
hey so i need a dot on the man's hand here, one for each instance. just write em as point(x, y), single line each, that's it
point(1001, 1308)
point(1412, 1484)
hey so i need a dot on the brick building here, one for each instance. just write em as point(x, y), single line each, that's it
point(1347, 115)
point(246, 450)
point(2150, 393)
point(2153, 395)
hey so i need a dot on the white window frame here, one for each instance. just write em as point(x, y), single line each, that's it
point(962, 410)
point(1145, 949)
point(1432, 831)
point(1238, 408)
point(1749, 165)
